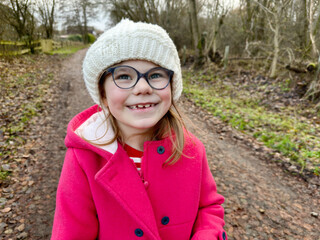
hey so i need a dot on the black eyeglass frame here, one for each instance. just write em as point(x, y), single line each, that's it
point(140, 75)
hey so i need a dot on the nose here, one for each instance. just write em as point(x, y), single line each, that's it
point(142, 87)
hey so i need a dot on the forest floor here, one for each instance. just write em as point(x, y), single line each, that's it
point(262, 199)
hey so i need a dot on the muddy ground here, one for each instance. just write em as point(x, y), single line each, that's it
point(263, 200)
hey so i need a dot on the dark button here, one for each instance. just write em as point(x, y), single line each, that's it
point(224, 236)
point(138, 232)
point(165, 220)
point(160, 150)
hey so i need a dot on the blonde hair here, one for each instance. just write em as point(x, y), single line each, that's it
point(170, 125)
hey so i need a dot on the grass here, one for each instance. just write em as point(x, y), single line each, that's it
point(4, 174)
point(68, 50)
point(284, 131)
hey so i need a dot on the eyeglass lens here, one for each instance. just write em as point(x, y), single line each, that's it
point(126, 77)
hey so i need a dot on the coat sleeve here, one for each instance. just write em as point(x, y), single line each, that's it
point(75, 214)
point(209, 222)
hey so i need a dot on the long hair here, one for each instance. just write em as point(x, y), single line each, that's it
point(170, 125)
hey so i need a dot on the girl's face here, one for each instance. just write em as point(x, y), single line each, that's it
point(139, 108)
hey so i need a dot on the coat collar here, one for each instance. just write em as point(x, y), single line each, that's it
point(98, 131)
point(121, 179)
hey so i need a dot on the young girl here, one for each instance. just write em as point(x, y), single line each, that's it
point(131, 169)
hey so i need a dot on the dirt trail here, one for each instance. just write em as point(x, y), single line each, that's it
point(262, 201)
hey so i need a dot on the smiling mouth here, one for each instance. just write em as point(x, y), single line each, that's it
point(142, 106)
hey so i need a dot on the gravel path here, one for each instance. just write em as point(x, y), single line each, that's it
point(262, 200)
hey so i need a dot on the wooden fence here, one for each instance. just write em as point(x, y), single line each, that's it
point(43, 45)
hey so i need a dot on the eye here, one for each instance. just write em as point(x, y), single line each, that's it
point(124, 77)
point(155, 75)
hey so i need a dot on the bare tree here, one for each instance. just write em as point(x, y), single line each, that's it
point(194, 23)
point(7, 32)
point(21, 18)
point(261, 22)
point(254, 19)
point(303, 25)
point(216, 12)
point(272, 29)
point(198, 44)
point(78, 12)
point(46, 9)
point(172, 15)
point(137, 10)
point(18, 16)
point(314, 24)
point(275, 13)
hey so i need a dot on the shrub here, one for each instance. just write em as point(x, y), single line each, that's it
point(75, 38)
point(91, 38)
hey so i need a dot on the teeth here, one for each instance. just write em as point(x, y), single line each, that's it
point(141, 106)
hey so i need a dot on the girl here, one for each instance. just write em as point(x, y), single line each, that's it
point(131, 169)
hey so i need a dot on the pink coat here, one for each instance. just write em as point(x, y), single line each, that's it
point(101, 195)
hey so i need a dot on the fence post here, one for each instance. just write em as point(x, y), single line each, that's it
point(46, 45)
point(226, 56)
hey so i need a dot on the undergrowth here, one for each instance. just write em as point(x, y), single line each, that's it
point(244, 107)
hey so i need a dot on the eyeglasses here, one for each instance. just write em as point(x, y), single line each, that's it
point(126, 77)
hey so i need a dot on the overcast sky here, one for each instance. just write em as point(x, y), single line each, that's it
point(101, 22)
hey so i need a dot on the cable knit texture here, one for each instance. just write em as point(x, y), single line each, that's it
point(126, 41)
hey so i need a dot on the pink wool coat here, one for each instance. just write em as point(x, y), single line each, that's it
point(102, 196)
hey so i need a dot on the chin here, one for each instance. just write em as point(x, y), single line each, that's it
point(145, 126)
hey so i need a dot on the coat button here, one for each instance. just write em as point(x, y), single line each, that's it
point(224, 236)
point(146, 184)
point(138, 232)
point(165, 220)
point(160, 150)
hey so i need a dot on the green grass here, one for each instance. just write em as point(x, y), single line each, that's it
point(3, 174)
point(282, 131)
point(68, 50)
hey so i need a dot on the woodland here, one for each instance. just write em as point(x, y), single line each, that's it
point(252, 63)
point(251, 72)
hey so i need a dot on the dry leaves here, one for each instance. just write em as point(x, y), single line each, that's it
point(26, 92)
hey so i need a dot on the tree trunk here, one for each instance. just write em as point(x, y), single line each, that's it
point(276, 37)
point(249, 20)
point(51, 20)
point(261, 24)
point(85, 26)
point(196, 33)
point(194, 23)
point(313, 29)
point(304, 25)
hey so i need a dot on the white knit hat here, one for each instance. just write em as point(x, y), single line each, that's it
point(126, 41)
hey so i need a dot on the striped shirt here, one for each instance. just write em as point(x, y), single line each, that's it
point(135, 155)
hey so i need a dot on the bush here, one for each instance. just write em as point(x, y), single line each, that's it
point(75, 38)
point(91, 38)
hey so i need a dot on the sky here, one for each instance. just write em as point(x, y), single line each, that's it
point(101, 23)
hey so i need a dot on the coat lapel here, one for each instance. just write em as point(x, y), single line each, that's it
point(121, 179)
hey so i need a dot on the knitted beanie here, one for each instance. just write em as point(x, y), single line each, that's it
point(128, 41)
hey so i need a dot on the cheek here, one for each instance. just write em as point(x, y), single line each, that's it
point(167, 98)
point(168, 94)
point(115, 97)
